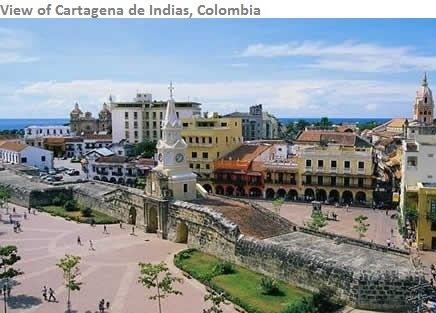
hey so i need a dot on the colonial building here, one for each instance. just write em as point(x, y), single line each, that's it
point(17, 153)
point(172, 177)
point(257, 124)
point(84, 123)
point(423, 108)
point(209, 138)
point(337, 173)
point(141, 118)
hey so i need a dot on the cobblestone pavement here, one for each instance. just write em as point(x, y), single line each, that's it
point(379, 230)
point(109, 272)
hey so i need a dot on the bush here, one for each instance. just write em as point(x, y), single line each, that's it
point(60, 199)
point(269, 286)
point(223, 268)
point(86, 212)
point(304, 305)
point(71, 206)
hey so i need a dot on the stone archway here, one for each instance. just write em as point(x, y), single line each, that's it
point(104, 178)
point(96, 178)
point(113, 180)
point(219, 190)
point(334, 195)
point(321, 195)
point(240, 192)
point(255, 192)
point(132, 216)
point(309, 194)
point(270, 193)
point(152, 222)
point(208, 188)
point(120, 181)
point(361, 197)
point(181, 232)
point(347, 196)
point(229, 190)
point(281, 193)
point(292, 194)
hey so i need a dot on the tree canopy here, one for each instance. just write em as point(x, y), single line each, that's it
point(146, 148)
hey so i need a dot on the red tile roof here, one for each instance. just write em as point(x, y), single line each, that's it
point(314, 137)
point(94, 136)
point(13, 146)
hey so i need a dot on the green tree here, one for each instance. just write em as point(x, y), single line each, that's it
point(158, 276)
point(5, 194)
point(361, 227)
point(317, 221)
point(146, 148)
point(324, 122)
point(304, 305)
point(301, 124)
point(69, 265)
point(277, 204)
point(217, 300)
point(368, 125)
point(8, 257)
point(411, 214)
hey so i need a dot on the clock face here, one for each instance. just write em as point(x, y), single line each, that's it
point(179, 157)
point(160, 157)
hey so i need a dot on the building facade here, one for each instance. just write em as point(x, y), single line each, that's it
point(141, 118)
point(17, 153)
point(84, 123)
point(257, 124)
point(208, 139)
point(423, 108)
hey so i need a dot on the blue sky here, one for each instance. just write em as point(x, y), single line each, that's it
point(295, 67)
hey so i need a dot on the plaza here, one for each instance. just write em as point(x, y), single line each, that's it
point(109, 272)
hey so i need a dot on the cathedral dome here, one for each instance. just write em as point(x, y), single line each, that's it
point(76, 111)
point(424, 91)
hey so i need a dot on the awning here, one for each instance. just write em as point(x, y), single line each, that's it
point(254, 174)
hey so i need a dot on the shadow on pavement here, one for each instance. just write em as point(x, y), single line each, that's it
point(23, 302)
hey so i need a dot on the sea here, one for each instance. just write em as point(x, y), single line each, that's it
point(20, 123)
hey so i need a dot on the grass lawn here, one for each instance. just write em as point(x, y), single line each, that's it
point(99, 218)
point(242, 284)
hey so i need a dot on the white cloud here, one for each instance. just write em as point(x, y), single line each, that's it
point(285, 98)
point(13, 44)
point(241, 65)
point(348, 56)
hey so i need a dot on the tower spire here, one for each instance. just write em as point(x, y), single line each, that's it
point(424, 80)
point(171, 119)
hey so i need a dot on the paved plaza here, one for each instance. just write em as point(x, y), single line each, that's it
point(109, 272)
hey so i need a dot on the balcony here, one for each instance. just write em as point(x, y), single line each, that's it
point(117, 174)
point(333, 170)
point(339, 185)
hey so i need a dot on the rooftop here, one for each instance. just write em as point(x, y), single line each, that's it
point(246, 152)
point(12, 146)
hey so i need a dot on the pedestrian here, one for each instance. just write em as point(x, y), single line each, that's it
point(44, 293)
point(8, 288)
point(13, 210)
point(79, 241)
point(431, 281)
point(432, 267)
point(10, 219)
point(392, 232)
point(107, 305)
point(104, 229)
point(433, 273)
point(51, 295)
point(25, 215)
point(347, 207)
point(101, 305)
point(387, 211)
point(28, 209)
point(388, 243)
point(121, 225)
point(133, 230)
point(91, 245)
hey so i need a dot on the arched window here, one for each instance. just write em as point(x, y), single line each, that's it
point(425, 100)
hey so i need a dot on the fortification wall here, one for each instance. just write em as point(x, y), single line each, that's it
point(208, 231)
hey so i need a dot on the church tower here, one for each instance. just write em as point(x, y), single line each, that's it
point(423, 107)
point(172, 176)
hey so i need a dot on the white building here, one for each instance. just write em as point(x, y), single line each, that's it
point(418, 163)
point(17, 153)
point(141, 119)
point(33, 132)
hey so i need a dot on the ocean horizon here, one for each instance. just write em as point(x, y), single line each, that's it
point(21, 123)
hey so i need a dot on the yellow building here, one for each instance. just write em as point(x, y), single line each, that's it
point(336, 173)
point(422, 196)
point(208, 139)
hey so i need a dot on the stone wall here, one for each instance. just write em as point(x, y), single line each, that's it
point(208, 231)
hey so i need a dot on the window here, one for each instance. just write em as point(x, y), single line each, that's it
point(308, 180)
point(320, 180)
point(320, 163)
point(433, 210)
point(185, 187)
point(126, 124)
point(161, 115)
point(43, 158)
point(205, 155)
point(185, 124)
point(333, 164)
point(197, 166)
point(191, 165)
point(177, 114)
point(154, 115)
point(135, 124)
point(135, 115)
point(412, 161)
point(127, 134)
point(194, 155)
point(360, 182)
point(308, 163)
point(346, 181)
point(207, 166)
point(135, 133)
point(361, 165)
point(154, 134)
point(23, 160)
point(126, 115)
point(154, 125)
point(147, 116)
point(333, 181)
point(210, 139)
point(223, 124)
point(347, 164)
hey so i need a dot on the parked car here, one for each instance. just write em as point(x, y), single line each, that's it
point(60, 169)
point(73, 172)
point(52, 172)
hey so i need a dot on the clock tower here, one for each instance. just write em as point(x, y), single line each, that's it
point(172, 176)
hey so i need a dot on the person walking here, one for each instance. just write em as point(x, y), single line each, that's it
point(25, 215)
point(107, 305)
point(51, 295)
point(392, 232)
point(44, 293)
point(79, 241)
point(105, 229)
point(133, 231)
point(121, 225)
point(91, 245)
